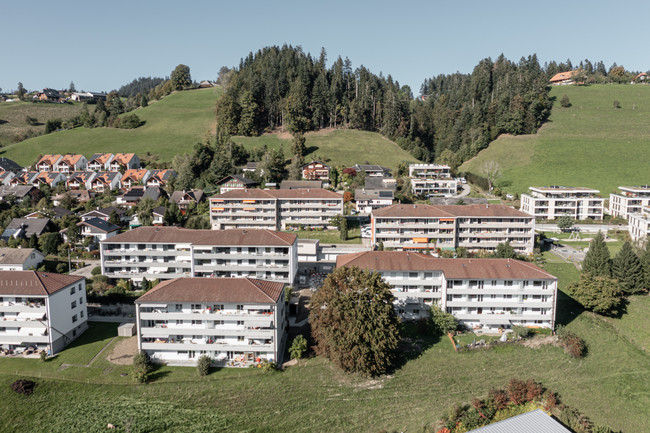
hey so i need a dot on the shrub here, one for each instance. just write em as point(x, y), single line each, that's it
point(442, 322)
point(31, 121)
point(43, 356)
point(550, 401)
point(203, 365)
point(298, 347)
point(533, 390)
point(573, 345)
point(97, 270)
point(62, 268)
point(517, 391)
point(130, 121)
point(521, 331)
point(499, 398)
point(141, 367)
point(565, 102)
point(268, 366)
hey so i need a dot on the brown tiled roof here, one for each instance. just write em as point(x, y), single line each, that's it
point(314, 193)
point(71, 159)
point(101, 157)
point(562, 76)
point(204, 237)
point(432, 211)
point(32, 283)
point(134, 174)
point(48, 159)
point(452, 268)
point(123, 158)
point(227, 290)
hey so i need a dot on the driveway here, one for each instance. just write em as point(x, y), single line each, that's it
point(86, 270)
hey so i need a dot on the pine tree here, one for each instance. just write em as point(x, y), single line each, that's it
point(626, 268)
point(645, 265)
point(344, 229)
point(144, 102)
point(597, 261)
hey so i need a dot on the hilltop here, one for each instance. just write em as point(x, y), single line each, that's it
point(589, 144)
point(13, 125)
point(173, 125)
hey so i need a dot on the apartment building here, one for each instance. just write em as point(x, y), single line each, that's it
point(367, 200)
point(171, 252)
point(629, 200)
point(432, 180)
point(421, 227)
point(238, 322)
point(41, 310)
point(279, 209)
point(486, 294)
point(638, 224)
point(553, 202)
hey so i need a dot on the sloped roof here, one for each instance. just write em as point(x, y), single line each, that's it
point(536, 421)
point(18, 191)
point(162, 175)
point(123, 158)
point(244, 237)
point(309, 193)
point(9, 165)
point(434, 211)
point(178, 196)
point(32, 283)
point(562, 76)
point(99, 225)
point(106, 177)
point(48, 159)
point(81, 176)
point(71, 159)
point(226, 290)
point(10, 256)
point(101, 158)
point(134, 174)
point(32, 225)
point(412, 210)
point(243, 179)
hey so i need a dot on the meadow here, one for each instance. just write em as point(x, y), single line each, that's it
point(589, 144)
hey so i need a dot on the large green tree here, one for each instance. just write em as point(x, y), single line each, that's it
point(601, 295)
point(627, 269)
point(354, 322)
point(597, 261)
point(645, 265)
point(181, 77)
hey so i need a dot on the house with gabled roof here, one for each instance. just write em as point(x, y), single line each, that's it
point(100, 162)
point(160, 178)
point(105, 214)
point(49, 178)
point(372, 170)
point(20, 259)
point(316, 170)
point(158, 218)
point(563, 78)
point(133, 177)
point(23, 178)
point(80, 179)
point(55, 213)
point(71, 163)
point(98, 229)
point(48, 162)
point(6, 176)
point(7, 164)
point(234, 182)
point(183, 199)
point(106, 181)
point(25, 228)
point(124, 161)
point(20, 192)
point(81, 195)
point(48, 95)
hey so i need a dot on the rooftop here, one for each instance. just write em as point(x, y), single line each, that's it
point(32, 283)
point(10, 256)
point(305, 193)
point(536, 421)
point(226, 290)
point(242, 237)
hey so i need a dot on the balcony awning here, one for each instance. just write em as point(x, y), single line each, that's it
point(153, 305)
point(500, 319)
point(420, 240)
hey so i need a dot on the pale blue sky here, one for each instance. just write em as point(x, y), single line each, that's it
point(101, 46)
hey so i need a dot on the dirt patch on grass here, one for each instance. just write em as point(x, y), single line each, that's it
point(124, 351)
point(539, 341)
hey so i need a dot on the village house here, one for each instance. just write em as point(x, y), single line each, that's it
point(6, 176)
point(48, 162)
point(20, 259)
point(106, 181)
point(7, 164)
point(124, 161)
point(160, 178)
point(20, 192)
point(24, 228)
point(71, 163)
point(184, 199)
point(157, 214)
point(100, 162)
point(24, 178)
point(80, 180)
point(316, 170)
point(235, 182)
point(105, 214)
point(51, 179)
point(134, 177)
point(368, 200)
point(97, 229)
point(372, 170)
point(81, 195)
point(132, 197)
point(563, 78)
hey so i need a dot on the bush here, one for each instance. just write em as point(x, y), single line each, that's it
point(442, 323)
point(573, 345)
point(31, 121)
point(97, 270)
point(130, 121)
point(521, 331)
point(499, 398)
point(517, 391)
point(565, 102)
point(52, 125)
point(203, 365)
point(43, 356)
point(62, 268)
point(298, 347)
point(268, 366)
point(141, 367)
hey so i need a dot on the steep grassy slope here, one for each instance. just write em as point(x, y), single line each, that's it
point(588, 144)
point(173, 125)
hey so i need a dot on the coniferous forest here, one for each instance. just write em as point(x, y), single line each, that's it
point(457, 116)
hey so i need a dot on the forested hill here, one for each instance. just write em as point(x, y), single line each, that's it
point(457, 117)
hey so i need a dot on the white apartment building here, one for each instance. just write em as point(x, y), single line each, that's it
point(237, 322)
point(279, 209)
point(480, 227)
point(552, 202)
point(485, 294)
point(41, 310)
point(367, 200)
point(170, 252)
point(629, 200)
point(432, 180)
point(638, 224)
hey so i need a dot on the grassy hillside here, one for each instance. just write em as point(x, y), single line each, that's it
point(588, 144)
point(173, 125)
point(338, 147)
point(13, 127)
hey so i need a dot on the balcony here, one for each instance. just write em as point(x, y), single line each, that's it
point(217, 345)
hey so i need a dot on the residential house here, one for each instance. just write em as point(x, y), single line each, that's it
point(205, 84)
point(184, 199)
point(373, 170)
point(279, 209)
point(629, 200)
point(88, 96)
point(41, 310)
point(251, 167)
point(80, 180)
point(105, 214)
point(25, 227)
point(381, 183)
point(483, 294)
point(368, 200)
point(106, 181)
point(49, 95)
point(237, 322)
point(98, 229)
point(20, 259)
point(235, 182)
point(20, 192)
point(158, 215)
point(6, 176)
point(48, 162)
point(133, 196)
point(24, 178)
point(7, 164)
point(51, 179)
point(563, 78)
point(432, 180)
point(134, 177)
point(55, 213)
point(81, 195)
point(71, 163)
point(316, 170)
point(641, 77)
point(300, 184)
point(124, 161)
point(553, 202)
point(160, 178)
point(478, 228)
point(100, 162)
point(171, 252)
point(536, 421)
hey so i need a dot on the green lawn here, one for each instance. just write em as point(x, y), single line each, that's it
point(610, 386)
point(341, 147)
point(173, 125)
point(588, 144)
point(631, 327)
point(330, 236)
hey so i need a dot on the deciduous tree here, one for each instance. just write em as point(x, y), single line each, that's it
point(181, 77)
point(601, 295)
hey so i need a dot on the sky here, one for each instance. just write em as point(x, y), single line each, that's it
point(102, 45)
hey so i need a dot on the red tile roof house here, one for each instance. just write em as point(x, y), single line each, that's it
point(23, 178)
point(100, 162)
point(71, 163)
point(80, 178)
point(134, 177)
point(124, 161)
point(160, 177)
point(48, 162)
point(105, 181)
point(563, 78)
point(41, 310)
point(51, 179)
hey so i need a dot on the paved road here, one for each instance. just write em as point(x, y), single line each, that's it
point(86, 270)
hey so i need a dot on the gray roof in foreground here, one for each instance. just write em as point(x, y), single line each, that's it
point(536, 421)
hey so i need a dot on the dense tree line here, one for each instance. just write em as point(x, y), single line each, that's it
point(140, 85)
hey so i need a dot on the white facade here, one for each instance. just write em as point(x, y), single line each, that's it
point(638, 224)
point(432, 180)
point(368, 200)
point(486, 294)
point(630, 200)
point(234, 333)
point(35, 311)
point(553, 202)
point(20, 259)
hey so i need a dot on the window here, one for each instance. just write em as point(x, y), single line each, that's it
point(74, 318)
point(73, 304)
point(196, 306)
point(197, 322)
point(179, 322)
point(493, 283)
point(413, 274)
point(508, 283)
point(179, 307)
point(81, 301)
point(81, 313)
point(416, 311)
point(241, 307)
point(72, 290)
point(240, 338)
point(240, 323)
point(507, 296)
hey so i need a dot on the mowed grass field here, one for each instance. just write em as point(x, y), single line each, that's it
point(611, 385)
point(339, 147)
point(589, 144)
point(173, 125)
point(13, 115)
